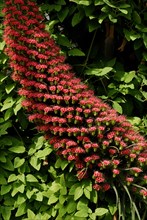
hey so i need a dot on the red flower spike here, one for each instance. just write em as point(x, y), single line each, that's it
point(129, 180)
point(81, 127)
point(97, 187)
point(106, 186)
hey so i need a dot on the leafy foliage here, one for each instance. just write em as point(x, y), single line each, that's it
point(34, 186)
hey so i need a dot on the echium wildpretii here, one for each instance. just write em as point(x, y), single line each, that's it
point(81, 127)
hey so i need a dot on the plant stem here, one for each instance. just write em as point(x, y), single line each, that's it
point(89, 51)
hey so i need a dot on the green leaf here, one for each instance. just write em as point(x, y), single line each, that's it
point(83, 205)
point(145, 55)
point(46, 7)
point(144, 94)
point(18, 162)
point(46, 216)
point(12, 178)
point(129, 76)
point(101, 211)
point(8, 113)
point(112, 18)
point(112, 208)
point(135, 120)
point(5, 189)
point(94, 196)
point(4, 127)
point(63, 14)
point(17, 187)
point(29, 193)
point(35, 162)
point(31, 178)
point(17, 149)
point(85, 2)
point(89, 10)
point(52, 171)
point(2, 180)
point(73, 188)
point(145, 39)
point(21, 177)
point(10, 87)
point(99, 71)
point(109, 3)
point(58, 163)
point(124, 11)
point(98, 2)
point(53, 199)
point(8, 165)
point(57, 8)
point(61, 163)
point(87, 184)
point(3, 157)
point(61, 2)
point(51, 25)
point(62, 180)
point(131, 35)
point(81, 213)
point(39, 196)
point(76, 1)
point(101, 18)
point(71, 206)
point(6, 141)
point(31, 214)
point(92, 216)
point(124, 87)
point(62, 199)
point(93, 25)
point(8, 103)
point(3, 77)
point(17, 106)
point(117, 107)
point(39, 142)
point(111, 63)
point(134, 36)
point(77, 18)
point(43, 153)
point(20, 199)
point(136, 17)
point(55, 187)
point(8, 200)
point(21, 210)
point(6, 212)
point(124, 5)
point(64, 164)
point(78, 193)
point(75, 52)
point(63, 191)
point(2, 44)
point(87, 193)
point(138, 44)
point(63, 40)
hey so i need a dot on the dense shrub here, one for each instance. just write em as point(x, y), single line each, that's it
point(107, 141)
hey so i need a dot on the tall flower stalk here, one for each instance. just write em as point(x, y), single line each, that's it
point(82, 128)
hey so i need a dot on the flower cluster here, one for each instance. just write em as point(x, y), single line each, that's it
point(81, 127)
